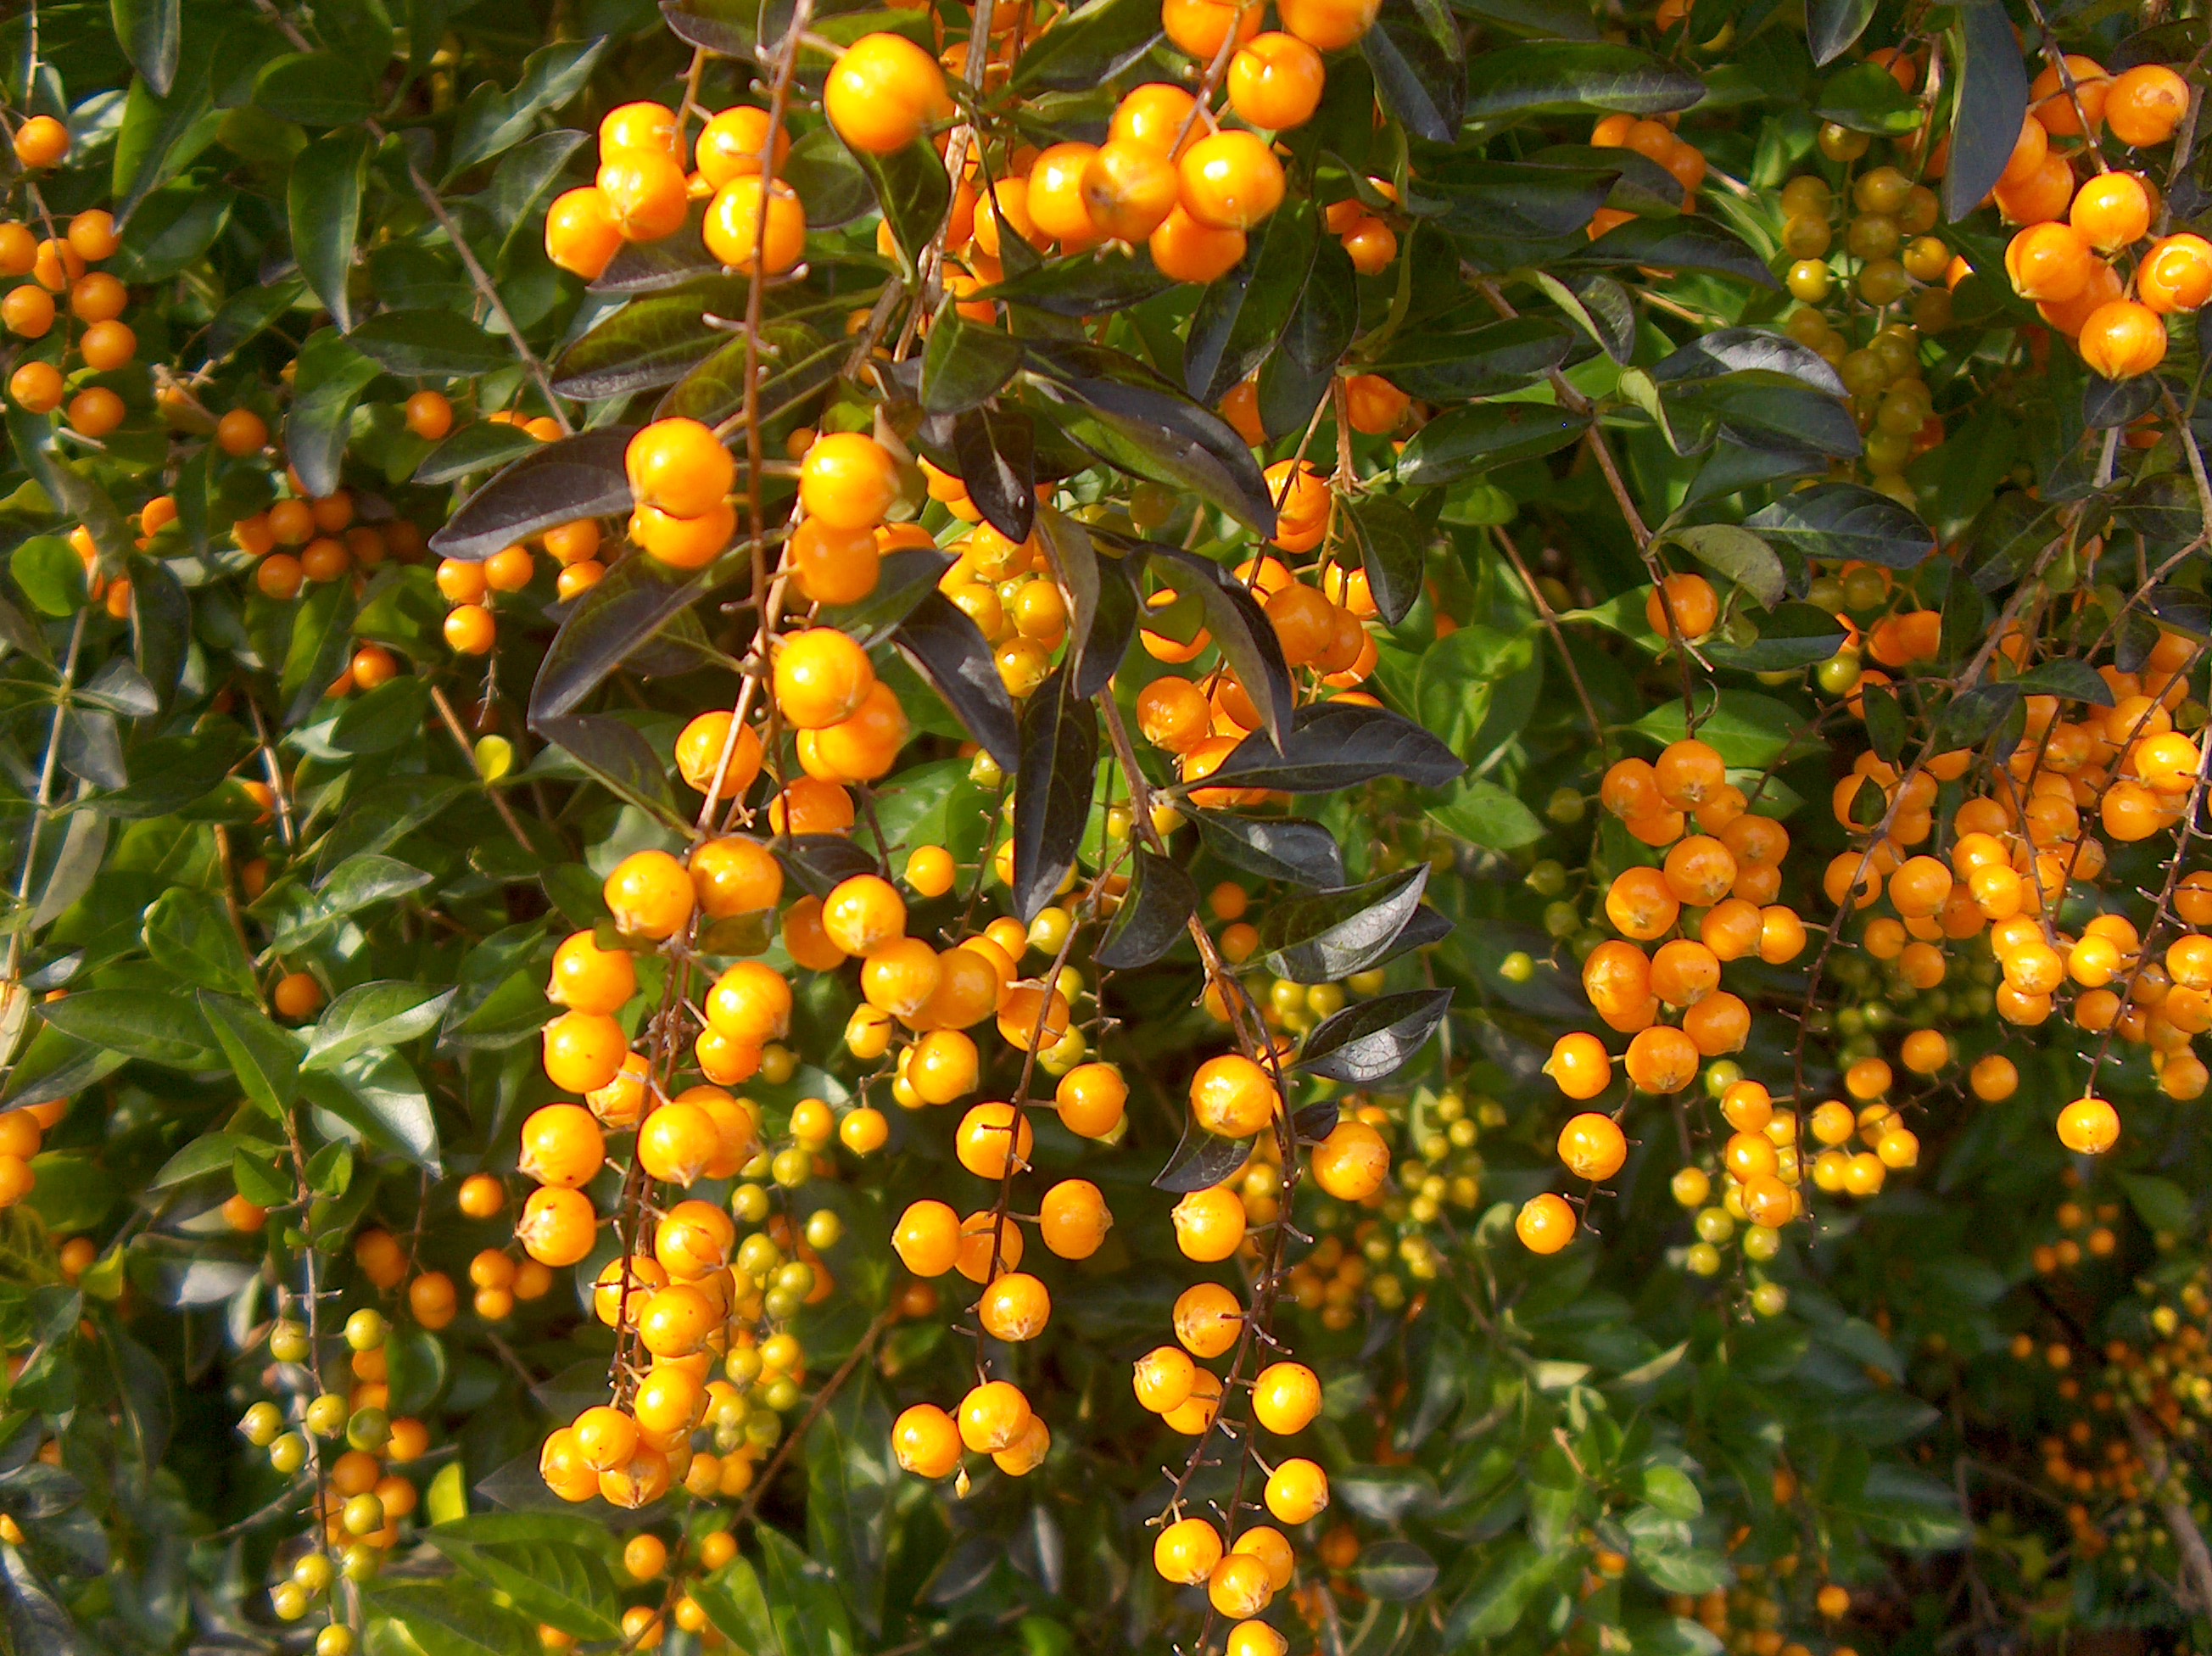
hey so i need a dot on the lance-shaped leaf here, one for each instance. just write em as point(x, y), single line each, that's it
point(805, 364)
point(819, 862)
point(1374, 1040)
point(150, 35)
point(383, 1015)
point(1104, 594)
point(1096, 283)
point(997, 451)
point(1419, 66)
point(637, 597)
point(1391, 542)
point(1485, 362)
point(1200, 1161)
point(650, 342)
point(1053, 786)
point(428, 343)
point(1336, 745)
point(1833, 26)
point(491, 121)
point(1154, 916)
point(558, 481)
point(1274, 848)
point(157, 1029)
point(1243, 632)
point(1332, 934)
point(324, 200)
point(1990, 104)
point(1240, 317)
point(189, 933)
point(1679, 244)
point(1484, 435)
point(556, 1582)
point(1087, 48)
point(264, 1058)
point(946, 648)
point(673, 261)
point(477, 448)
point(1130, 418)
point(910, 187)
point(965, 365)
point(617, 755)
point(1535, 77)
point(328, 379)
point(1741, 351)
point(903, 579)
point(1737, 553)
point(440, 1621)
point(1846, 521)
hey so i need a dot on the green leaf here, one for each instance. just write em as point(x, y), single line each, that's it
point(2161, 1204)
point(557, 481)
point(51, 575)
point(965, 364)
point(382, 1095)
point(910, 187)
point(558, 1583)
point(1485, 362)
point(491, 121)
point(420, 344)
point(1990, 103)
point(264, 1058)
point(1484, 435)
point(1089, 47)
point(1737, 553)
point(329, 381)
point(255, 1175)
point(1845, 521)
point(325, 201)
point(170, 230)
point(477, 448)
point(444, 1622)
point(1240, 318)
point(149, 33)
point(650, 342)
point(1671, 1491)
point(201, 1156)
point(355, 884)
point(1519, 1571)
point(1678, 244)
point(1419, 66)
point(191, 933)
point(387, 1013)
point(1561, 76)
point(159, 1029)
point(852, 1477)
point(1831, 26)
point(1392, 553)
point(1866, 98)
point(316, 88)
point(1480, 810)
point(1748, 729)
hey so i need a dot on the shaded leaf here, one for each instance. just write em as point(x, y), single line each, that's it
point(1154, 917)
point(428, 344)
point(1240, 317)
point(1274, 848)
point(1482, 435)
point(1988, 107)
point(604, 627)
point(558, 481)
point(997, 451)
point(1335, 744)
point(947, 649)
point(1053, 787)
point(324, 197)
point(1332, 934)
point(1555, 77)
point(1846, 521)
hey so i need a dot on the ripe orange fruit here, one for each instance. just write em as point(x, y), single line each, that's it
point(1209, 1224)
point(1233, 1096)
point(2121, 340)
point(750, 1002)
point(1074, 1218)
point(562, 1145)
point(581, 235)
point(735, 876)
point(680, 467)
point(1188, 251)
point(1351, 1162)
point(1691, 599)
point(1186, 1551)
point(1592, 1146)
point(1229, 181)
point(1296, 1491)
point(1329, 25)
point(1275, 82)
point(732, 144)
point(925, 1442)
point(558, 1226)
point(649, 894)
point(847, 480)
point(587, 979)
point(1545, 1224)
point(991, 1137)
point(882, 91)
point(992, 1417)
point(1580, 1065)
point(699, 757)
point(42, 142)
point(733, 229)
point(2144, 105)
point(1129, 187)
point(2088, 1126)
point(1285, 1397)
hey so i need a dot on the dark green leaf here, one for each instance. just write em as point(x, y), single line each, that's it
point(264, 1058)
point(1200, 1161)
point(1866, 98)
point(1053, 787)
point(1274, 848)
point(1737, 553)
point(1833, 26)
point(1094, 284)
point(1557, 76)
point(1502, 356)
point(557, 481)
point(831, 185)
point(1154, 916)
point(964, 364)
point(1845, 521)
point(476, 447)
point(316, 88)
point(608, 623)
point(1484, 814)
point(1484, 435)
point(155, 1028)
point(1990, 103)
point(1419, 67)
point(491, 121)
point(150, 35)
point(947, 649)
point(1240, 317)
point(325, 201)
point(1794, 636)
point(902, 580)
point(1335, 745)
point(1739, 351)
point(2074, 681)
point(996, 447)
point(1310, 940)
point(1089, 47)
point(419, 345)
point(1679, 244)
point(330, 379)
point(616, 754)
point(910, 187)
point(560, 1584)
point(1885, 722)
point(443, 1622)
point(650, 342)
point(1243, 633)
point(1391, 550)
point(1396, 1571)
point(383, 1014)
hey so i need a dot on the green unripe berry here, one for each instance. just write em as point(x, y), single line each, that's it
point(1760, 1243)
point(797, 1277)
point(1549, 877)
point(1714, 1225)
point(313, 1572)
point(757, 1255)
point(1770, 1298)
point(1561, 919)
point(743, 1366)
point(823, 1229)
point(288, 1342)
point(763, 1430)
point(362, 1515)
point(782, 1395)
point(791, 1168)
point(335, 1640)
point(288, 1453)
point(1704, 1259)
point(1565, 807)
point(260, 1424)
point(289, 1603)
point(360, 1563)
point(1517, 967)
point(326, 1415)
point(366, 1329)
point(782, 1304)
point(369, 1430)
point(749, 1204)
